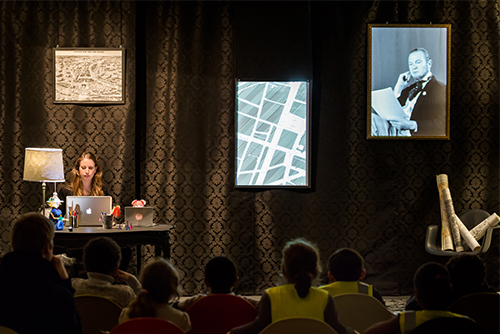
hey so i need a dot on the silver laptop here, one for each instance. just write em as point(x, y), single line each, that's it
point(139, 216)
point(89, 208)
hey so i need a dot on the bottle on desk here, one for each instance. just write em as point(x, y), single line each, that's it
point(73, 221)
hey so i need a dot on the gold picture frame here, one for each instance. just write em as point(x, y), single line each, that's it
point(408, 81)
point(89, 75)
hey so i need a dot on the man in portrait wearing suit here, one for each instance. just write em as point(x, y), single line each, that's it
point(422, 97)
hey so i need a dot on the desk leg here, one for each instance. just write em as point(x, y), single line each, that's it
point(139, 258)
point(166, 246)
point(158, 251)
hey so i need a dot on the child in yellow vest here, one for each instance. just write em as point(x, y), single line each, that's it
point(432, 289)
point(345, 271)
point(297, 298)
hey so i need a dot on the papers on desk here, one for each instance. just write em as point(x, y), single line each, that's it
point(386, 105)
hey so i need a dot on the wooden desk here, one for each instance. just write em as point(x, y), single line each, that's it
point(158, 235)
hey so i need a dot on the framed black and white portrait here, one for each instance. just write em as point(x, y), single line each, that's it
point(408, 81)
point(89, 75)
point(272, 134)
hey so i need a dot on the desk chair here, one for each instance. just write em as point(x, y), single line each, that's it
point(448, 325)
point(219, 313)
point(483, 308)
point(97, 313)
point(299, 326)
point(470, 219)
point(360, 311)
point(147, 326)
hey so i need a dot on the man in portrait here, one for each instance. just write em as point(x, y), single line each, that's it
point(422, 97)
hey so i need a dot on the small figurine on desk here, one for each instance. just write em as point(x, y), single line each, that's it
point(127, 227)
point(55, 213)
point(116, 212)
point(138, 203)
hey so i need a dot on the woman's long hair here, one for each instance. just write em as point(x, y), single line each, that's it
point(76, 185)
point(301, 265)
point(160, 282)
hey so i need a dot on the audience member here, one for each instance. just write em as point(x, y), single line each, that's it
point(300, 267)
point(432, 290)
point(160, 282)
point(220, 278)
point(345, 270)
point(35, 290)
point(101, 257)
point(467, 275)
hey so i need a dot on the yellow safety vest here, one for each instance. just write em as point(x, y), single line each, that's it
point(340, 287)
point(286, 303)
point(408, 320)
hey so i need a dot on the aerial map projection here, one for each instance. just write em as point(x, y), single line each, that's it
point(271, 133)
point(88, 76)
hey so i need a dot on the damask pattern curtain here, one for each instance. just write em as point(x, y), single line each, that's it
point(29, 31)
point(189, 156)
point(172, 143)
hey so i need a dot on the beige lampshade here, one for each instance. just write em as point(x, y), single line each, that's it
point(43, 165)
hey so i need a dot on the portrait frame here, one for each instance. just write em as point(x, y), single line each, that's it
point(89, 75)
point(273, 134)
point(404, 103)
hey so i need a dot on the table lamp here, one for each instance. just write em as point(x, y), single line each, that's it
point(43, 165)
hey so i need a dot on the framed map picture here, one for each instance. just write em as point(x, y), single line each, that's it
point(272, 134)
point(409, 81)
point(89, 75)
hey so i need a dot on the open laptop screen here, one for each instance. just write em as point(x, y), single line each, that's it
point(89, 208)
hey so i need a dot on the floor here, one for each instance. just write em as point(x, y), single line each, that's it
point(395, 304)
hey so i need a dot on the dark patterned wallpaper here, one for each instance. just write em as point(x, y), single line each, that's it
point(172, 143)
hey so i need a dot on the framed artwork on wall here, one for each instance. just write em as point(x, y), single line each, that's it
point(89, 75)
point(408, 81)
point(272, 134)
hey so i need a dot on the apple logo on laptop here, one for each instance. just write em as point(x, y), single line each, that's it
point(89, 211)
point(138, 217)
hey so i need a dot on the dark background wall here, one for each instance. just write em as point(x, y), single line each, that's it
point(172, 142)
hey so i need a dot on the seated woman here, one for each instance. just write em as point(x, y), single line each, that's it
point(87, 181)
point(297, 298)
point(160, 282)
point(86, 178)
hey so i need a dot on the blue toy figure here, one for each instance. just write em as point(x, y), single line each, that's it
point(60, 223)
point(55, 213)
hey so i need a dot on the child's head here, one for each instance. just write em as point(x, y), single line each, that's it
point(160, 282)
point(102, 255)
point(346, 265)
point(467, 273)
point(301, 264)
point(220, 274)
point(432, 286)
